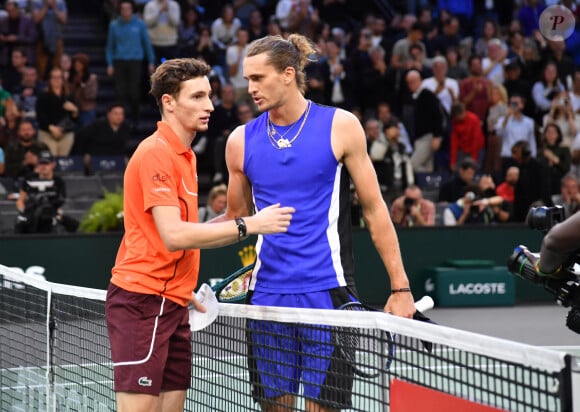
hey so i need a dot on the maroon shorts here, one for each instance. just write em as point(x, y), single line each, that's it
point(150, 342)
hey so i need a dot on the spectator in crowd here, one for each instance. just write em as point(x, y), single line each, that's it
point(454, 188)
point(359, 61)
point(574, 93)
point(216, 203)
point(56, 115)
point(222, 122)
point(283, 10)
point(467, 138)
point(455, 68)
point(26, 93)
point(515, 83)
point(235, 54)
point(490, 31)
point(207, 50)
point(162, 18)
point(188, 32)
point(377, 148)
point(336, 82)
point(83, 87)
point(127, 45)
point(400, 55)
point(556, 52)
point(304, 19)
point(497, 108)
point(412, 209)
point(449, 37)
point(224, 29)
point(445, 88)
point(555, 156)
point(377, 82)
point(529, 16)
point(533, 186)
point(515, 127)
point(105, 136)
point(398, 170)
point(546, 90)
point(562, 114)
point(569, 195)
point(428, 118)
point(475, 90)
point(245, 113)
point(17, 31)
point(12, 75)
point(22, 155)
point(9, 122)
point(506, 189)
point(65, 64)
point(40, 201)
point(493, 64)
point(50, 17)
point(479, 205)
point(385, 116)
point(256, 26)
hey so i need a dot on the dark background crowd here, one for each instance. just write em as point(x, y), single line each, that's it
point(472, 116)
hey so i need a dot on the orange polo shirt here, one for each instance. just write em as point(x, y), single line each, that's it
point(161, 172)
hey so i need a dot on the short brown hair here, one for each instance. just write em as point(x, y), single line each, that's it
point(295, 52)
point(169, 76)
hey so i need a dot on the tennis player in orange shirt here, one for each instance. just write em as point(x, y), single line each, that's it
point(157, 264)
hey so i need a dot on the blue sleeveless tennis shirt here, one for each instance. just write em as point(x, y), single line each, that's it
point(316, 252)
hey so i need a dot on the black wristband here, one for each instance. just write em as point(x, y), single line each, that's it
point(401, 290)
point(242, 229)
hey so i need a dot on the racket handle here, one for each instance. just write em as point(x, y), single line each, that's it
point(424, 304)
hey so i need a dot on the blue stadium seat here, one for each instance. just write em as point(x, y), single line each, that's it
point(69, 165)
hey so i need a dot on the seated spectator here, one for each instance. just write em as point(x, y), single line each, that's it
point(493, 63)
point(385, 116)
point(445, 88)
point(377, 148)
point(454, 189)
point(12, 75)
point(224, 29)
point(216, 203)
point(397, 167)
point(26, 93)
point(569, 196)
point(56, 115)
point(22, 155)
point(479, 205)
point(235, 54)
point(506, 189)
point(18, 31)
point(83, 88)
point(105, 136)
point(42, 195)
point(412, 209)
point(556, 157)
point(467, 138)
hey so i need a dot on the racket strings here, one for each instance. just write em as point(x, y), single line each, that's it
point(237, 289)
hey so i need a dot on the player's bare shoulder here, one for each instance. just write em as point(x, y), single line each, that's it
point(347, 133)
point(235, 147)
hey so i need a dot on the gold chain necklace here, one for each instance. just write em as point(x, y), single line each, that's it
point(282, 142)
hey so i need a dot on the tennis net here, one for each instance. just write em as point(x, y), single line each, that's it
point(54, 356)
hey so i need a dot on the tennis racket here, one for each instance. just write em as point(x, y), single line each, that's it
point(370, 352)
point(234, 288)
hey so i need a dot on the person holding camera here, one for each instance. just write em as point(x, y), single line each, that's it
point(412, 209)
point(41, 196)
point(479, 205)
point(515, 127)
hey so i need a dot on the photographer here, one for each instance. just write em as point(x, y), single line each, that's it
point(412, 209)
point(559, 246)
point(479, 205)
point(41, 196)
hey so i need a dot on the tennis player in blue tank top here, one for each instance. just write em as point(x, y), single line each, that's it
point(301, 154)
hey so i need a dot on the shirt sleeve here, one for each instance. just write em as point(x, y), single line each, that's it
point(159, 180)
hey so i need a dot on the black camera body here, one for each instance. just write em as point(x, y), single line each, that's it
point(566, 286)
point(408, 203)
